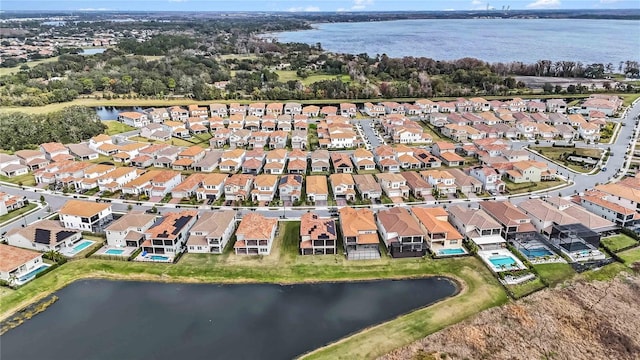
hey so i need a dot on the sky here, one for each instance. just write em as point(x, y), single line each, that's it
point(310, 5)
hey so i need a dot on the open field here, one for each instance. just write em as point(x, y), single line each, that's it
point(16, 213)
point(556, 154)
point(15, 69)
point(115, 127)
point(528, 187)
point(288, 75)
point(479, 289)
point(630, 256)
point(26, 180)
point(526, 288)
point(617, 242)
point(201, 140)
point(555, 273)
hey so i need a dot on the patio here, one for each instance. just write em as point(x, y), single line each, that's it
point(501, 260)
point(119, 252)
point(71, 251)
point(531, 245)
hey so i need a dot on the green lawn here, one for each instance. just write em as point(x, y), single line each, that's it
point(605, 273)
point(630, 256)
point(288, 75)
point(629, 98)
point(528, 187)
point(26, 180)
point(556, 154)
point(479, 289)
point(115, 127)
point(617, 242)
point(526, 288)
point(16, 213)
point(433, 132)
point(555, 273)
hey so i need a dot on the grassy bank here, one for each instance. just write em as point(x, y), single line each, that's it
point(115, 127)
point(480, 290)
point(617, 242)
point(16, 213)
point(528, 186)
point(557, 154)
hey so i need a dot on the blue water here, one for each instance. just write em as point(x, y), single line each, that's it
point(32, 273)
point(535, 253)
point(93, 51)
point(499, 261)
point(451, 252)
point(114, 252)
point(492, 40)
point(83, 245)
point(158, 258)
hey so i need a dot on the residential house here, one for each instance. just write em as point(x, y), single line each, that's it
point(480, 104)
point(44, 235)
point(607, 207)
point(209, 162)
point(166, 156)
point(211, 187)
point(316, 189)
point(197, 125)
point(320, 161)
point(168, 236)
point(274, 109)
point(394, 186)
point(317, 235)
point(114, 180)
point(253, 161)
point(442, 181)
point(231, 160)
point(85, 215)
point(157, 115)
point(275, 161)
point(33, 159)
point(255, 235)
point(368, 187)
point(278, 139)
point(465, 184)
point(489, 177)
point(176, 129)
point(426, 159)
point(477, 226)
point(239, 138)
point(196, 111)
point(10, 166)
point(311, 111)
point(418, 187)
point(401, 233)
point(442, 147)
point(297, 163)
point(348, 110)
point(374, 110)
point(264, 188)
point(218, 110)
point(188, 187)
point(17, 265)
point(556, 106)
point(441, 237)
point(328, 111)
point(176, 113)
point(257, 109)
point(211, 233)
point(299, 139)
point(237, 187)
point(153, 183)
point(188, 157)
point(155, 132)
point(343, 186)
point(82, 152)
point(589, 132)
point(54, 151)
point(512, 219)
point(220, 137)
point(341, 163)
point(133, 118)
point(292, 108)
point(237, 109)
point(363, 160)
point(11, 202)
point(385, 157)
point(290, 188)
point(129, 229)
point(530, 171)
point(359, 233)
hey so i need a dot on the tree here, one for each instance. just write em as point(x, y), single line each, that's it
point(571, 89)
point(547, 88)
point(129, 207)
point(171, 84)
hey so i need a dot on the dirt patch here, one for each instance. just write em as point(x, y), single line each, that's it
point(585, 320)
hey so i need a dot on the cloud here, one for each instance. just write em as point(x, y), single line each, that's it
point(477, 2)
point(544, 4)
point(361, 4)
point(304, 9)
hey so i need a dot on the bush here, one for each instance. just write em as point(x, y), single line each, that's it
point(134, 254)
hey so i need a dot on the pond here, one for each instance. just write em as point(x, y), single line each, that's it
point(100, 319)
point(111, 112)
point(93, 51)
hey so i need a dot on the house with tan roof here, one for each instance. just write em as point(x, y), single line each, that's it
point(212, 187)
point(363, 159)
point(394, 186)
point(231, 160)
point(53, 149)
point(176, 129)
point(168, 235)
point(292, 108)
point(320, 161)
point(385, 157)
point(82, 152)
point(341, 163)
point(290, 188)
point(10, 202)
point(275, 161)
point(239, 138)
point(427, 106)
point(556, 106)
point(543, 215)
point(16, 264)
point(374, 110)
point(253, 161)
point(188, 186)
point(513, 221)
point(198, 111)
point(311, 111)
point(348, 110)
point(589, 219)
point(316, 188)
point(85, 215)
point(255, 235)
point(489, 177)
point(530, 171)
point(237, 187)
point(197, 125)
point(299, 138)
point(343, 186)
point(129, 229)
point(278, 139)
point(114, 180)
point(218, 110)
point(441, 180)
point(477, 226)
point(257, 109)
point(622, 194)
point(153, 183)
point(134, 118)
point(368, 187)
point(176, 113)
point(264, 188)
point(33, 159)
point(418, 187)
point(209, 162)
point(44, 235)
point(401, 233)
point(607, 207)
point(359, 233)
point(318, 235)
point(237, 109)
point(274, 109)
point(10, 166)
point(297, 163)
point(252, 123)
point(211, 233)
point(441, 237)
point(465, 183)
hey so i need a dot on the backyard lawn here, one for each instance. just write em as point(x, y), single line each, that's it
point(115, 127)
point(526, 288)
point(554, 273)
point(630, 256)
point(617, 242)
point(16, 213)
point(528, 186)
point(26, 180)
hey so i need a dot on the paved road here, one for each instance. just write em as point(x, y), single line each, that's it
point(582, 182)
point(367, 130)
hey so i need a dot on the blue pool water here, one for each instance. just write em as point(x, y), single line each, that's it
point(114, 252)
point(451, 252)
point(83, 245)
point(500, 261)
point(159, 258)
point(32, 273)
point(536, 252)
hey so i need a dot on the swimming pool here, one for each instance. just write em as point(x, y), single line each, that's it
point(114, 252)
point(451, 251)
point(536, 252)
point(31, 274)
point(158, 258)
point(82, 245)
point(500, 261)
point(575, 246)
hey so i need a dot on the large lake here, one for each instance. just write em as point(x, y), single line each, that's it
point(492, 40)
point(99, 319)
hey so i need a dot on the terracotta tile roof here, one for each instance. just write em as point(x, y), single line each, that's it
point(239, 180)
point(317, 227)
point(297, 164)
point(265, 180)
point(83, 208)
point(254, 226)
point(341, 179)
point(399, 220)
point(12, 258)
point(477, 218)
point(52, 147)
point(101, 138)
point(171, 224)
point(435, 221)
point(214, 179)
point(353, 222)
point(504, 212)
point(131, 220)
point(316, 184)
point(214, 223)
point(190, 182)
point(191, 151)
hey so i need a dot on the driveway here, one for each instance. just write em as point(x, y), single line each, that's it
point(367, 131)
